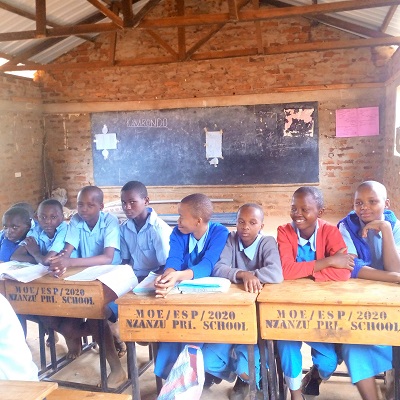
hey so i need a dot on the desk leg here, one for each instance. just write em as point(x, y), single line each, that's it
point(134, 371)
point(252, 372)
point(263, 367)
point(272, 375)
point(103, 365)
point(396, 366)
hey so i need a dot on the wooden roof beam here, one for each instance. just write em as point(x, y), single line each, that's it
point(388, 18)
point(127, 13)
point(264, 14)
point(107, 12)
point(40, 18)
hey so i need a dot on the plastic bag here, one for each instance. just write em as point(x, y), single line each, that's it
point(186, 379)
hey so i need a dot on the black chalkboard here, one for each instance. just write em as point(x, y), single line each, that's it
point(261, 144)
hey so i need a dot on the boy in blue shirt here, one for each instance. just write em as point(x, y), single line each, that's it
point(16, 224)
point(144, 236)
point(95, 237)
point(372, 233)
point(195, 247)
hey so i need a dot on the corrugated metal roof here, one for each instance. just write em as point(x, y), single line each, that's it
point(70, 12)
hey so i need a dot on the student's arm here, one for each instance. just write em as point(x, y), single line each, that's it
point(390, 255)
point(160, 239)
point(224, 268)
point(378, 275)
point(287, 245)
point(214, 245)
point(22, 255)
point(165, 282)
point(271, 269)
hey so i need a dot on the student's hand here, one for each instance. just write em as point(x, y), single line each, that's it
point(377, 226)
point(59, 265)
point(251, 283)
point(31, 246)
point(342, 260)
point(165, 282)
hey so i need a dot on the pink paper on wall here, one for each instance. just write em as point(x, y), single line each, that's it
point(357, 122)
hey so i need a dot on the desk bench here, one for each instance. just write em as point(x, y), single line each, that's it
point(49, 296)
point(356, 311)
point(189, 318)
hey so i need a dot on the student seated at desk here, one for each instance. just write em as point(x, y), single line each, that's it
point(95, 237)
point(195, 247)
point(15, 357)
point(372, 234)
point(144, 235)
point(253, 259)
point(16, 224)
point(310, 247)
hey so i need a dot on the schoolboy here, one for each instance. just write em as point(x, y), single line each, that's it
point(95, 236)
point(16, 224)
point(144, 236)
point(310, 247)
point(195, 247)
point(253, 259)
point(45, 240)
point(372, 233)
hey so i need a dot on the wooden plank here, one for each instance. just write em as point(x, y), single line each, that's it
point(356, 311)
point(201, 317)
point(26, 390)
point(65, 394)
point(56, 297)
point(162, 42)
point(40, 18)
point(180, 5)
point(107, 12)
point(127, 12)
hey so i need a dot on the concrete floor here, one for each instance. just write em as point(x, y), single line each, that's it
point(86, 368)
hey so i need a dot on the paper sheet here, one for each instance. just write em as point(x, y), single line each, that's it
point(119, 278)
point(22, 271)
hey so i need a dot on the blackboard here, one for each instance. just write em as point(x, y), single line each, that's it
point(261, 144)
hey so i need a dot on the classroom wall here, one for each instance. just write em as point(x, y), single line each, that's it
point(392, 161)
point(335, 78)
point(21, 142)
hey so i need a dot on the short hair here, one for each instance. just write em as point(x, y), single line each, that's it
point(96, 191)
point(20, 212)
point(51, 202)
point(378, 187)
point(312, 191)
point(252, 205)
point(136, 186)
point(27, 207)
point(200, 206)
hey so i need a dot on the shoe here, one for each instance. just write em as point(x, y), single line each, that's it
point(209, 380)
point(310, 384)
point(240, 390)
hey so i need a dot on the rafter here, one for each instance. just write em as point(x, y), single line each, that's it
point(107, 12)
point(40, 18)
point(127, 13)
point(388, 18)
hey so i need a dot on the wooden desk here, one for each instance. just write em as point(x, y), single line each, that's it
point(26, 390)
point(195, 318)
point(49, 296)
point(356, 311)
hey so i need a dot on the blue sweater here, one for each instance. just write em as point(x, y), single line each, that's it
point(178, 257)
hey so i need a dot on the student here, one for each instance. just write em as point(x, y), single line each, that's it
point(195, 247)
point(310, 247)
point(16, 224)
point(144, 236)
point(252, 259)
point(15, 357)
point(372, 233)
point(46, 239)
point(95, 237)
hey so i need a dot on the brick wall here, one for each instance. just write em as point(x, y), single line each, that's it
point(391, 161)
point(354, 78)
point(21, 142)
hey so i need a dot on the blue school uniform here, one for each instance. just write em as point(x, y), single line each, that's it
point(90, 243)
point(7, 248)
point(46, 244)
point(366, 361)
point(146, 250)
point(323, 355)
point(199, 256)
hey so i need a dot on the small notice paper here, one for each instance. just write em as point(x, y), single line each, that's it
point(22, 271)
point(352, 122)
point(119, 278)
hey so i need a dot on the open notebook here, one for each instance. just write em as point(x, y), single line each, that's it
point(22, 271)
